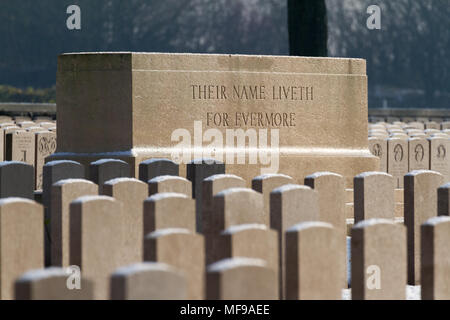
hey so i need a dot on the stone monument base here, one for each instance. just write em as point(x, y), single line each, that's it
point(257, 114)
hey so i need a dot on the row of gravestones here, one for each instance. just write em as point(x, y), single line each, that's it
point(415, 125)
point(22, 139)
point(312, 265)
point(399, 155)
point(421, 122)
point(222, 209)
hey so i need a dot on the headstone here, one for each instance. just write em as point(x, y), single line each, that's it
point(418, 135)
point(148, 281)
point(45, 145)
point(391, 119)
point(445, 125)
point(431, 132)
point(331, 197)
point(97, 238)
point(241, 279)
point(183, 250)
point(26, 124)
point(106, 169)
point(420, 205)
point(378, 147)
point(378, 135)
point(5, 118)
point(7, 128)
point(379, 259)
point(417, 125)
point(331, 194)
point(153, 168)
point(444, 200)
point(16, 180)
point(251, 241)
point(19, 119)
point(397, 135)
point(419, 154)
point(196, 171)
point(422, 119)
point(395, 130)
point(314, 262)
point(432, 125)
point(440, 156)
point(36, 129)
point(407, 119)
point(410, 132)
point(441, 135)
point(378, 131)
point(63, 193)
point(397, 159)
point(377, 126)
point(236, 206)
point(55, 171)
point(212, 186)
point(52, 172)
point(265, 184)
point(297, 99)
point(374, 196)
point(46, 124)
point(21, 241)
point(435, 259)
point(42, 119)
point(168, 210)
point(7, 139)
point(132, 193)
point(4, 130)
point(171, 184)
point(51, 284)
point(20, 146)
point(289, 205)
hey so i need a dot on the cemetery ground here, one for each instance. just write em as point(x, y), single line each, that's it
point(94, 206)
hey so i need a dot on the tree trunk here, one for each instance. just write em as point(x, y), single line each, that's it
point(308, 30)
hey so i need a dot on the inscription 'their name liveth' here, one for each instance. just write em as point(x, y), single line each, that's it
point(251, 92)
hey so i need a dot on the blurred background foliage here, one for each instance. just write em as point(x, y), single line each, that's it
point(407, 60)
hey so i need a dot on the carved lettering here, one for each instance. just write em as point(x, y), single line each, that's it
point(251, 92)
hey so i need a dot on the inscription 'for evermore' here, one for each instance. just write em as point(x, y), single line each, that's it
point(250, 119)
point(251, 92)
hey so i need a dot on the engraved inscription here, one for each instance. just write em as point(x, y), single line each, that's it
point(250, 119)
point(23, 158)
point(251, 92)
point(398, 153)
point(419, 153)
point(47, 145)
point(441, 152)
point(377, 150)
